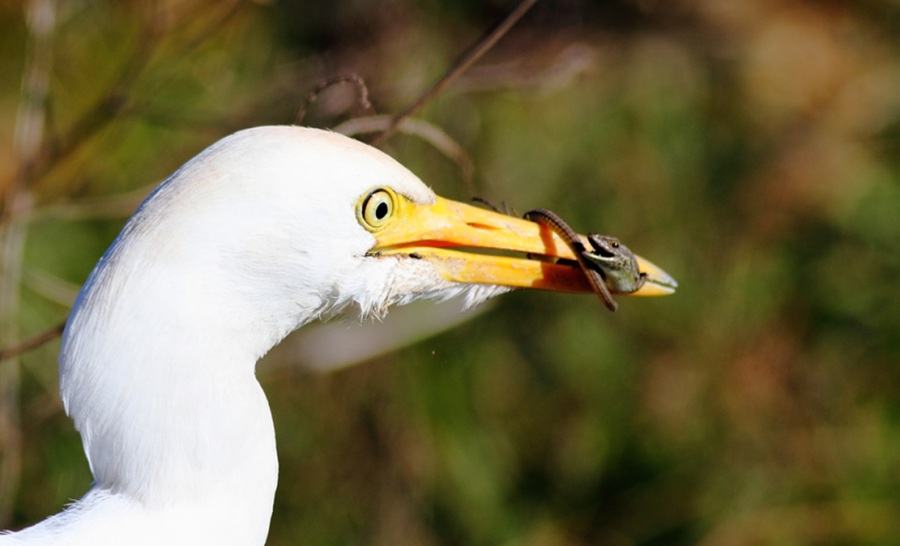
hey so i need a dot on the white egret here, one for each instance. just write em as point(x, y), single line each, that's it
point(261, 233)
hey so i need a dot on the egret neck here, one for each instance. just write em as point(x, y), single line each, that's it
point(262, 232)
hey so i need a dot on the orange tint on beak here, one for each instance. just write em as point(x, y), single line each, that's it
point(448, 233)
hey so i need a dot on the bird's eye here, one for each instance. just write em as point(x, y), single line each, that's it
point(377, 208)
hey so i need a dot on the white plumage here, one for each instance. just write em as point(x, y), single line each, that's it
point(256, 236)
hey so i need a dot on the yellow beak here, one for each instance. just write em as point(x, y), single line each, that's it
point(533, 256)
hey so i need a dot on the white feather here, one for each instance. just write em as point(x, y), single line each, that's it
point(248, 241)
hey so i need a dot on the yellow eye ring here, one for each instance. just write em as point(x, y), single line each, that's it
point(377, 208)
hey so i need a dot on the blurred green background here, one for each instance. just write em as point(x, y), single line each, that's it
point(749, 147)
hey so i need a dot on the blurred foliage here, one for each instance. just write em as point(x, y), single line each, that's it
point(749, 147)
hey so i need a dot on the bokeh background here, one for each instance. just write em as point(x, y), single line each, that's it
point(750, 147)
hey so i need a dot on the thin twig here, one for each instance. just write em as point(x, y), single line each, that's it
point(361, 90)
point(119, 99)
point(428, 132)
point(468, 59)
point(107, 108)
point(93, 120)
point(165, 72)
point(29, 138)
point(116, 206)
point(116, 101)
point(32, 342)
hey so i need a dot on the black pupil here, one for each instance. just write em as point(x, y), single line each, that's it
point(381, 210)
